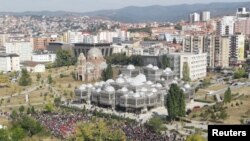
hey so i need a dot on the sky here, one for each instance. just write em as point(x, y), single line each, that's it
point(88, 5)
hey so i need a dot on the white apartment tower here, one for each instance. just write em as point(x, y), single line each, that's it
point(205, 16)
point(194, 17)
point(226, 25)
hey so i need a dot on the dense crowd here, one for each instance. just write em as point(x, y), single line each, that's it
point(63, 125)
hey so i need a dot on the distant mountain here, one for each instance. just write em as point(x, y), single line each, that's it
point(168, 13)
point(150, 13)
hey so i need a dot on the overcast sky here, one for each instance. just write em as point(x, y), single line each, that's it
point(88, 5)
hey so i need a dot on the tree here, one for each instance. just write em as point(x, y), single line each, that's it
point(64, 58)
point(223, 114)
point(227, 96)
point(155, 123)
point(4, 135)
point(136, 60)
point(17, 134)
point(38, 77)
point(21, 109)
point(25, 79)
point(50, 80)
point(49, 107)
point(107, 73)
point(195, 137)
point(31, 126)
point(57, 101)
point(165, 62)
point(33, 110)
point(174, 41)
point(185, 72)
point(175, 102)
point(14, 114)
point(28, 111)
point(240, 73)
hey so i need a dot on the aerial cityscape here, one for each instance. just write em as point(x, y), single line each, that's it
point(132, 71)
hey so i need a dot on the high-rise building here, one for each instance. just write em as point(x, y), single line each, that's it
point(237, 47)
point(194, 17)
point(225, 26)
point(193, 44)
point(208, 47)
point(242, 26)
point(205, 16)
point(221, 51)
point(23, 49)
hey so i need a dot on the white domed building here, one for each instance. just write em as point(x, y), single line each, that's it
point(90, 68)
point(153, 73)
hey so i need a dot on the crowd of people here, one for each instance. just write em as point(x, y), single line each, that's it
point(63, 125)
point(140, 133)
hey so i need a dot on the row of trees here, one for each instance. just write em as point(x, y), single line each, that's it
point(122, 59)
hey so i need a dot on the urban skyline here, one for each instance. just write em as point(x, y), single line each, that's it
point(82, 6)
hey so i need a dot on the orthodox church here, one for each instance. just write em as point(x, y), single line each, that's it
point(90, 68)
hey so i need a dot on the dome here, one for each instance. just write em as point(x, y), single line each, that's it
point(162, 79)
point(82, 87)
point(149, 82)
point(98, 90)
point(176, 78)
point(110, 81)
point(120, 80)
point(168, 70)
point(124, 89)
point(154, 90)
point(143, 89)
point(174, 82)
point(158, 85)
point(150, 94)
point(155, 68)
point(136, 95)
point(150, 66)
point(95, 52)
point(141, 78)
point(187, 86)
point(130, 67)
point(110, 89)
point(89, 85)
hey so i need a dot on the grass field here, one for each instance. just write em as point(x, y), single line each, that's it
point(217, 87)
point(238, 109)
